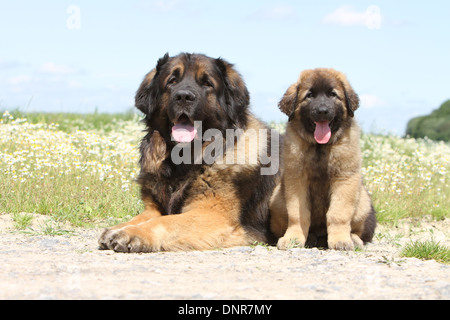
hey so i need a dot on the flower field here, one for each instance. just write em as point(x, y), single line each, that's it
point(86, 176)
point(82, 177)
point(407, 177)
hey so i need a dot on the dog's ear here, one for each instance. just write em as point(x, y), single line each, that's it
point(288, 103)
point(351, 98)
point(143, 99)
point(237, 97)
point(147, 92)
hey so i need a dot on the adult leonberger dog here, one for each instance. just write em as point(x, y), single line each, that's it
point(191, 203)
point(321, 200)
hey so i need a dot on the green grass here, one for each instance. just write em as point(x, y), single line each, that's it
point(407, 178)
point(70, 122)
point(22, 220)
point(427, 250)
point(81, 169)
point(83, 176)
point(47, 228)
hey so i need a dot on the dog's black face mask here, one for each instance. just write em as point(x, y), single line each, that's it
point(192, 88)
point(321, 103)
point(322, 113)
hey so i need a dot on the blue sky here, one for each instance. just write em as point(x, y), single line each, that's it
point(81, 55)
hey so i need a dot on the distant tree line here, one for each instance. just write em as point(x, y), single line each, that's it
point(435, 126)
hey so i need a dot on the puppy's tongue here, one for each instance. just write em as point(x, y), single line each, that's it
point(183, 132)
point(322, 134)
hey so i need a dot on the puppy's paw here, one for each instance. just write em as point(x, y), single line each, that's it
point(341, 242)
point(290, 241)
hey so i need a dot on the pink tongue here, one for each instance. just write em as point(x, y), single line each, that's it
point(183, 132)
point(323, 132)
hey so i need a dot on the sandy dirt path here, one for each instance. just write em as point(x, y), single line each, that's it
point(36, 266)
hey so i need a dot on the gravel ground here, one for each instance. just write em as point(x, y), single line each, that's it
point(36, 266)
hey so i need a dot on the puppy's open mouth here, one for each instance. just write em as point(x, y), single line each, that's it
point(183, 130)
point(322, 133)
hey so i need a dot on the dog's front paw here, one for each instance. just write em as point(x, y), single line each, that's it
point(123, 240)
point(341, 242)
point(290, 241)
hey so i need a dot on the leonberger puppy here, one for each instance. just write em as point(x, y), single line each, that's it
point(197, 197)
point(321, 200)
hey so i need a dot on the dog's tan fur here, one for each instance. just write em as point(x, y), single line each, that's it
point(196, 206)
point(210, 218)
point(321, 196)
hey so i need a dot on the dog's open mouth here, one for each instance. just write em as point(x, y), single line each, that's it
point(183, 130)
point(322, 133)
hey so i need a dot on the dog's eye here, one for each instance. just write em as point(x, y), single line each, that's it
point(208, 83)
point(172, 80)
point(309, 95)
point(333, 94)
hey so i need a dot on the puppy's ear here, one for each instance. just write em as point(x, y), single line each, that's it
point(351, 98)
point(146, 94)
point(288, 103)
point(237, 97)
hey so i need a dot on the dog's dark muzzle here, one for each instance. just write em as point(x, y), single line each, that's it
point(184, 97)
point(323, 112)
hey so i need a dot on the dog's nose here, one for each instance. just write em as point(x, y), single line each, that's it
point(322, 110)
point(184, 96)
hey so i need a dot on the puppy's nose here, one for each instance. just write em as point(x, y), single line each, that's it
point(184, 96)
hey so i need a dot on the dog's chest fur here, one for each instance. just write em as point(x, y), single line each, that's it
point(318, 176)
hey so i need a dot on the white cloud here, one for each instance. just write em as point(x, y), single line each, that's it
point(166, 6)
point(163, 6)
point(72, 84)
point(57, 69)
point(19, 79)
point(281, 12)
point(371, 101)
point(348, 16)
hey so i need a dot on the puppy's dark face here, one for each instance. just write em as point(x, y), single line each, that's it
point(192, 88)
point(320, 105)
